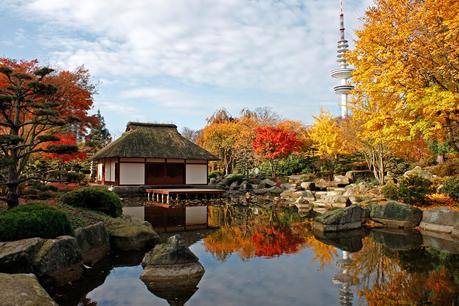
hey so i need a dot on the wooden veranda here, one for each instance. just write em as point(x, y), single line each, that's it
point(167, 196)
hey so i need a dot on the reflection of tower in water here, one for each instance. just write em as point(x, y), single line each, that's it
point(344, 279)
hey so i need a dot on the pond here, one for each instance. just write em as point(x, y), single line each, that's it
point(255, 256)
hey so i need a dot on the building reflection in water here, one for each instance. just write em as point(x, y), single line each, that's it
point(171, 219)
point(344, 279)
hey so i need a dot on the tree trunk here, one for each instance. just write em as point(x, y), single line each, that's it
point(12, 196)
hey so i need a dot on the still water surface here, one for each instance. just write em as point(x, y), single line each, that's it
point(266, 257)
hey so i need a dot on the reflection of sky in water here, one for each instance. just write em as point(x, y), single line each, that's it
point(286, 280)
point(124, 287)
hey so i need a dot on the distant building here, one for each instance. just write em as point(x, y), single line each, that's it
point(152, 154)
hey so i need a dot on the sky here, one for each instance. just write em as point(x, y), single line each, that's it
point(178, 61)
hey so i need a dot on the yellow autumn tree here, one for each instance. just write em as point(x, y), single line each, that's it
point(406, 74)
point(327, 137)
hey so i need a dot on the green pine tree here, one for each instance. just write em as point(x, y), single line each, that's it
point(99, 136)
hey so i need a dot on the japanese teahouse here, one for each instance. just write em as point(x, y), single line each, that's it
point(152, 154)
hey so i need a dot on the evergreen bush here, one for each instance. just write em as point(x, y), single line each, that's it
point(411, 189)
point(33, 220)
point(95, 199)
point(451, 187)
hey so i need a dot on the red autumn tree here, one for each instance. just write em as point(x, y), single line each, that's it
point(273, 143)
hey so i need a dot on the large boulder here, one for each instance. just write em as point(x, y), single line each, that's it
point(455, 232)
point(340, 219)
point(59, 259)
point(355, 175)
point(93, 241)
point(341, 180)
point(24, 290)
point(173, 252)
point(133, 237)
point(17, 256)
point(440, 219)
point(275, 190)
point(172, 264)
point(418, 171)
point(396, 215)
point(267, 183)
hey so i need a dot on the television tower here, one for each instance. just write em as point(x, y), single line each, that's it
point(343, 73)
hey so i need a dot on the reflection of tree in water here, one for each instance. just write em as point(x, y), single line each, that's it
point(415, 277)
point(251, 232)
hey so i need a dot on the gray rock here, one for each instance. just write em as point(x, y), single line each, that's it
point(93, 241)
point(234, 185)
point(341, 180)
point(332, 200)
point(133, 237)
point(355, 175)
point(212, 181)
point(173, 252)
point(340, 219)
point(17, 256)
point(268, 183)
point(172, 264)
point(395, 214)
point(24, 290)
point(59, 259)
point(418, 171)
point(275, 190)
point(439, 220)
point(261, 191)
point(455, 232)
point(308, 186)
point(245, 186)
point(288, 186)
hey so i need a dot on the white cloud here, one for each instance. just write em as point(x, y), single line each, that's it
point(281, 46)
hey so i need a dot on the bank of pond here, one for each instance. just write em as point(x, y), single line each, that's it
point(257, 256)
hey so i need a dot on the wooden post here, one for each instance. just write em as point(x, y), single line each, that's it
point(168, 196)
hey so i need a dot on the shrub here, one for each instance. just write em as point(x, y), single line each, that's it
point(233, 178)
point(33, 220)
point(391, 191)
point(451, 187)
point(74, 177)
point(95, 199)
point(214, 174)
point(448, 168)
point(410, 189)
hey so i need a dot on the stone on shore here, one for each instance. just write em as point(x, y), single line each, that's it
point(172, 264)
point(93, 241)
point(440, 219)
point(133, 237)
point(23, 290)
point(59, 259)
point(418, 171)
point(396, 215)
point(341, 180)
point(340, 219)
point(17, 256)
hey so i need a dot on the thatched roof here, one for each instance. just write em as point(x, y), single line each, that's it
point(152, 140)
